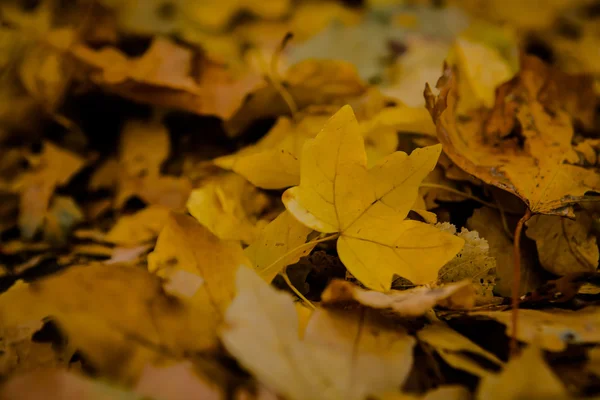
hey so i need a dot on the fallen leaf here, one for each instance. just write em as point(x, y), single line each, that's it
point(138, 228)
point(342, 355)
point(117, 316)
point(198, 268)
point(311, 82)
point(555, 185)
point(274, 161)
point(522, 378)
point(368, 207)
point(279, 244)
point(455, 349)
point(488, 223)
point(408, 303)
point(143, 147)
point(54, 168)
point(554, 329)
point(481, 69)
point(564, 246)
point(472, 262)
point(229, 206)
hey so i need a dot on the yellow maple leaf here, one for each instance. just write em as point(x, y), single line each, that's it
point(197, 266)
point(229, 206)
point(368, 207)
point(279, 244)
point(343, 355)
point(143, 226)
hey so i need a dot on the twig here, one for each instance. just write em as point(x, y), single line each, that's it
point(517, 280)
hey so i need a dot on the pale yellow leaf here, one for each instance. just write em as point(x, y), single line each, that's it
point(524, 377)
point(343, 355)
point(229, 206)
point(406, 303)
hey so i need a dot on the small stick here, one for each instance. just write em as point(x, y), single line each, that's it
point(517, 280)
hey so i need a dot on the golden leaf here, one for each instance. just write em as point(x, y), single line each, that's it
point(552, 330)
point(138, 228)
point(279, 244)
point(229, 206)
point(198, 267)
point(342, 355)
point(118, 316)
point(521, 379)
point(454, 348)
point(538, 173)
point(368, 207)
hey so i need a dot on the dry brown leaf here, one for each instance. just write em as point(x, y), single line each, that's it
point(537, 173)
point(406, 303)
point(488, 223)
point(564, 246)
point(167, 75)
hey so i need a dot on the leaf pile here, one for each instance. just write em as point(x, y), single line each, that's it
point(299, 200)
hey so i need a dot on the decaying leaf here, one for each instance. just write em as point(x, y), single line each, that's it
point(524, 377)
point(564, 246)
point(472, 262)
point(277, 245)
point(538, 172)
point(229, 206)
point(368, 207)
point(406, 303)
point(342, 355)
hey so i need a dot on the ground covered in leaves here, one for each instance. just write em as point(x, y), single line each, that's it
point(301, 199)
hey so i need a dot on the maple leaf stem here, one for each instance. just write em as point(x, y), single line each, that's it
point(306, 301)
point(517, 280)
point(458, 192)
point(273, 77)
